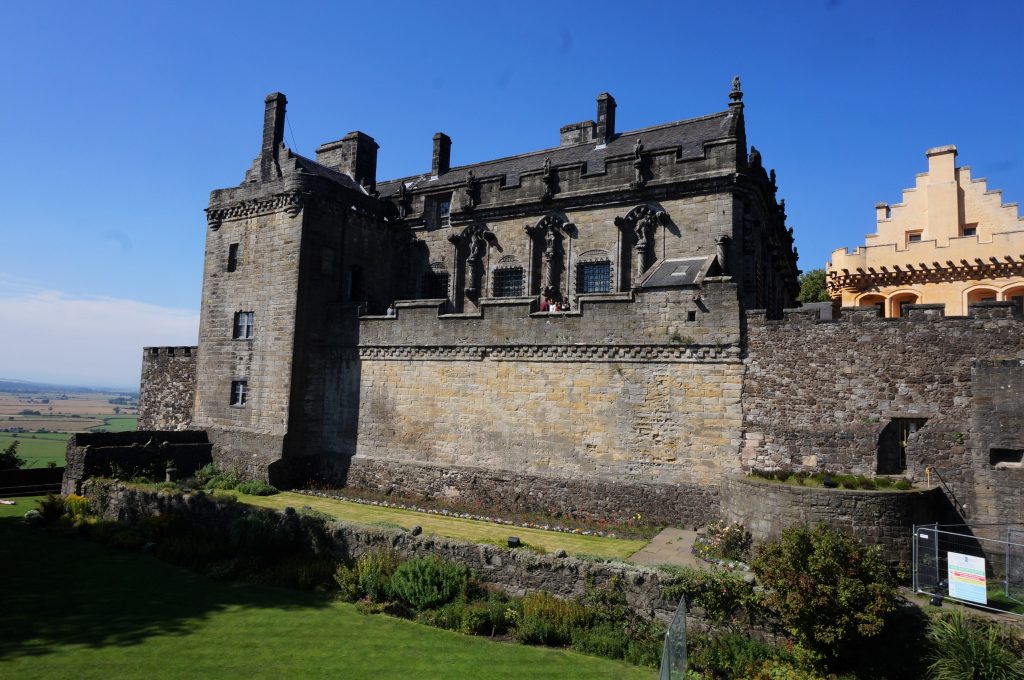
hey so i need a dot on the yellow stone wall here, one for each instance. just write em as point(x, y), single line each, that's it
point(642, 422)
point(942, 267)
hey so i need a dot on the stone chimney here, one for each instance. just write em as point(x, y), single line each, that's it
point(943, 194)
point(605, 118)
point(355, 154)
point(442, 159)
point(273, 135)
point(576, 133)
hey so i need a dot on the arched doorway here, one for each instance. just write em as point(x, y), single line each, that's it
point(873, 300)
point(899, 301)
point(1016, 296)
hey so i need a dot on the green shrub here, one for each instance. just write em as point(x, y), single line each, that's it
point(883, 482)
point(848, 481)
point(722, 595)
point(428, 582)
point(9, 458)
point(448, 617)
point(964, 648)
point(375, 571)
point(224, 480)
point(827, 589)
point(605, 639)
point(904, 485)
point(783, 475)
point(729, 540)
point(51, 508)
point(349, 588)
point(76, 507)
point(731, 655)
point(256, 488)
point(315, 514)
point(866, 483)
point(548, 620)
point(204, 474)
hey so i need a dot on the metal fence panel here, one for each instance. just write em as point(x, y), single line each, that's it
point(673, 652)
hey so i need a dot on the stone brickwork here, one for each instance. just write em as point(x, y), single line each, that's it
point(824, 395)
point(104, 454)
point(516, 571)
point(882, 518)
point(168, 388)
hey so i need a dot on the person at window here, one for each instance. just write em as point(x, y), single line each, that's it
point(391, 309)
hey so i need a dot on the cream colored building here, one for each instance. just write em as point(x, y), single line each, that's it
point(950, 241)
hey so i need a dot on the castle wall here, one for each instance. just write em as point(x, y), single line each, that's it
point(820, 395)
point(168, 386)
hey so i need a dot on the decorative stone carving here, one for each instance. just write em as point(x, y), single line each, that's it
point(736, 95)
point(641, 222)
point(754, 160)
point(472, 186)
point(476, 238)
point(552, 229)
point(722, 252)
point(402, 202)
point(638, 166)
point(550, 180)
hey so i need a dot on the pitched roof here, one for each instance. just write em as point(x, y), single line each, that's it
point(688, 135)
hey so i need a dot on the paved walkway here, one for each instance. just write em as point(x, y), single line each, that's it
point(671, 546)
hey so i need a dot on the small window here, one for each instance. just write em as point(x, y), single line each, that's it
point(1005, 456)
point(154, 351)
point(508, 282)
point(188, 351)
point(435, 284)
point(232, 257)
point(444, 210)
point(691, 315)
point(913, 236)
point(170, 351)
point(244, 323)
point(239, 392)
point(970, 230)
point(595, 277)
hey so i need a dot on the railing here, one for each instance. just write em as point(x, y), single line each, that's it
point(961, 510)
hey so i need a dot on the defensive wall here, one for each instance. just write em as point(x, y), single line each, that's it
point(127, 454)
point(831, 395)
point(168, 388)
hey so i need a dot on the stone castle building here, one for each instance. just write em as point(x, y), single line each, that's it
point(950, 241)
point(405, 335)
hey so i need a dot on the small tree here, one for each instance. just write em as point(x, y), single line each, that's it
point(827, 589)
point(812, 287)
point(9, 458)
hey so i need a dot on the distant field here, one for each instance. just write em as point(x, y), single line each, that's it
point(58, 424)
point(90, 404)
point(38, 449)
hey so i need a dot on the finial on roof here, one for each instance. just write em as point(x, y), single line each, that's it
point(737, 94)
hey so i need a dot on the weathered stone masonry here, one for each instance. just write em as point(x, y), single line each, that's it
point(168, 388)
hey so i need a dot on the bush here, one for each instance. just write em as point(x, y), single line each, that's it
point(547, 620)
point(903, 485)
point(730, 541)
point(867, 483)
point(848, 481)
point(722, 595)
point(224, 480)
point(204, 474)
point(51, 508)
point(605, 639)
point(375, 570)
point(731, 655)
point(827, 590)
point(76, 507)
point(428, 582)
point(883, 482)
point(256, 488)
point(347, 579)
point(783, 475)
point(970, 649)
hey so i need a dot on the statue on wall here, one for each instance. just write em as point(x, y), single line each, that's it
point(472, 186)
point(638, 166)
point(722, 253)
point(552, 229)
point(754, 160)
point(402, 203)
point(475, 239)
point(549, 178)
point(641, 223)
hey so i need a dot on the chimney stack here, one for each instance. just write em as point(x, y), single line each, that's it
point(441, 161)
point(355, 154)
point(605, 118)
point(273, 135)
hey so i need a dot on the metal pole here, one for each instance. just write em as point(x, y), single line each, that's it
point(913, 556)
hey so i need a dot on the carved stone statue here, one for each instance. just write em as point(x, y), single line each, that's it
point(722, 252)
point(477, 248)
point(737, 94)
point(638, 165)
point(471, 190)
point(754, 159)
point(403, 201)
point(638, 149)
point(548, 177)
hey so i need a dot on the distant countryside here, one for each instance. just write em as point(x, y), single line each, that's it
point(42, 419)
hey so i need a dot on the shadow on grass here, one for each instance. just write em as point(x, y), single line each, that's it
point(60, 591)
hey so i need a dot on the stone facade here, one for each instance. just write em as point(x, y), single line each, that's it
point(168, 388)
point(827, 395)
point(104, 454)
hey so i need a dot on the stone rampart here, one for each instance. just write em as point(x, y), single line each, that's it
point(516, 571)
point(168, 388)
point(104, 454)
point(833, 395)
point(882, 518)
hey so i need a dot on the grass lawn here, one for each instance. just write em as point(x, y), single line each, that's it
point(452, 527)
point(39, 451)
point(76, 609)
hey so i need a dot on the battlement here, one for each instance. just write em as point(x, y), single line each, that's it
point(170, 351)
point(990, 310)
point(661, 317)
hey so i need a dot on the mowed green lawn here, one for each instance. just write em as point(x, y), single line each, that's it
point(76, 609)
point(452, 527)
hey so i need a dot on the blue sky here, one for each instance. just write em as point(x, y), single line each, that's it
point(121, 117)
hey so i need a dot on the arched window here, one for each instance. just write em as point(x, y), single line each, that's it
point(876, 301)
point(1016, 296)
point(980, 295)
